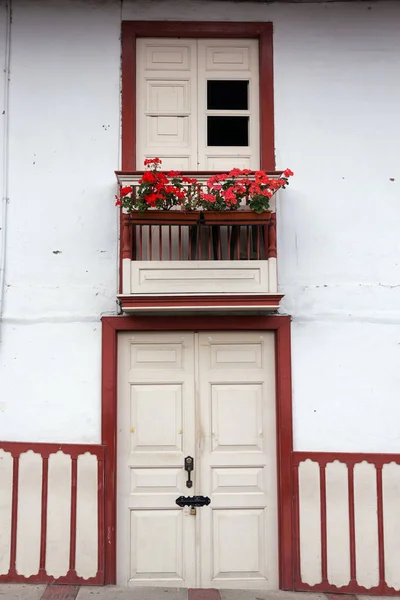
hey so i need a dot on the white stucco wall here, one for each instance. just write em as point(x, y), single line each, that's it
point(337, 95)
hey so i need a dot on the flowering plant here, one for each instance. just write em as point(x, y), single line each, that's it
point(159, 190)
point(227, 191)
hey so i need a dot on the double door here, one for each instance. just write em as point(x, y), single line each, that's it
point(209, 397)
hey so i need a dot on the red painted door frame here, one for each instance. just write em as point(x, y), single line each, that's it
point(111, 326)
point(131, 30)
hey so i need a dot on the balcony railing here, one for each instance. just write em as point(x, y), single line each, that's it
point(177, 259)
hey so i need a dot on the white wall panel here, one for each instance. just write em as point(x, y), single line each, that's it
point(337, 522)
point(58, 514)
point(87, 516)
point(6, 476)
point(391, 523)
point(29, 513)
point(310, 523)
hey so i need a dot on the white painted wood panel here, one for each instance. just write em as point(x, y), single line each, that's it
point(365, 501)
point(228, 381)
point(228, 60)
point(46, 516)
point(156, 432)
point(365, 477)
point(200, 277)
point(58, 514)
point(337, 524)
point(391, 523)
point(86, 516)
point(167, 102)
point(310, 523)
point(236, 384)
point(29, 513)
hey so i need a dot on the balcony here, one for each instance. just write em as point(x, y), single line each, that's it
point(197, 261)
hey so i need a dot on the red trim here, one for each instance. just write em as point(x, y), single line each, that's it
point(296, 528)
point(100, 513)
point(352, 525)
point(324, 553)
point(281, 326)
point(130, 303)
point(44, 449)
point(14, 515)
point(72, 540)
point(350, 460)
point(191, 29)
point(109, 435)
point(284, 440)
point(43, 527)
point(381, 531)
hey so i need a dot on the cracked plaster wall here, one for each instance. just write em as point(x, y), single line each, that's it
point(336, 102)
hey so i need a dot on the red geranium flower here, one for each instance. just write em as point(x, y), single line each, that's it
point(124, 191)
point(288, 173)
point(148, 177)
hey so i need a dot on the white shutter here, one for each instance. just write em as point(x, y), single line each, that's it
point(228, 60)
point(172, 109)
point(167, 102)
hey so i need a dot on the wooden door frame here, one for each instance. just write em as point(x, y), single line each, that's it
point(111, 326)
point(263, 32)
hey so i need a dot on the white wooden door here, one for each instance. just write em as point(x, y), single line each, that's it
point(237, 442)
point(210, 396)
point(191, 96)
point(156, 430)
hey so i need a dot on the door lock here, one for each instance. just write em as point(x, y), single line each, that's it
point(193, 501)
point(189, 466)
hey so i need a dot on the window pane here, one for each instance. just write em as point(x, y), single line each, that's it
point(227, 131)
point(227, 95)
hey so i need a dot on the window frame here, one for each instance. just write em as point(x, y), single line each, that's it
point(263, 32)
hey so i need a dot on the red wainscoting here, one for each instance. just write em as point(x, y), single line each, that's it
point(347, 522)
point(52, 513)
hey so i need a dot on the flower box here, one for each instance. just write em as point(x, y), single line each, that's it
point(164, 217)
point(196, 217)
point(236, 217)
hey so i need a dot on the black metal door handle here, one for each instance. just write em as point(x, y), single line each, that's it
point(189, 466)
point(193, 501)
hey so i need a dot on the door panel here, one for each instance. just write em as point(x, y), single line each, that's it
point(238, 460)
point(227, 380)
point(156, 432)
point(167, 102)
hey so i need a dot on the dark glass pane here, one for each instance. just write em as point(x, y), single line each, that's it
point(227, 131)
point(227, 95)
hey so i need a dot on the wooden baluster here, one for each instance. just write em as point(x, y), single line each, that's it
point(265, 236)
point(140, 242)
point(272, 237)
point(150, 242)
point(126, 237)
